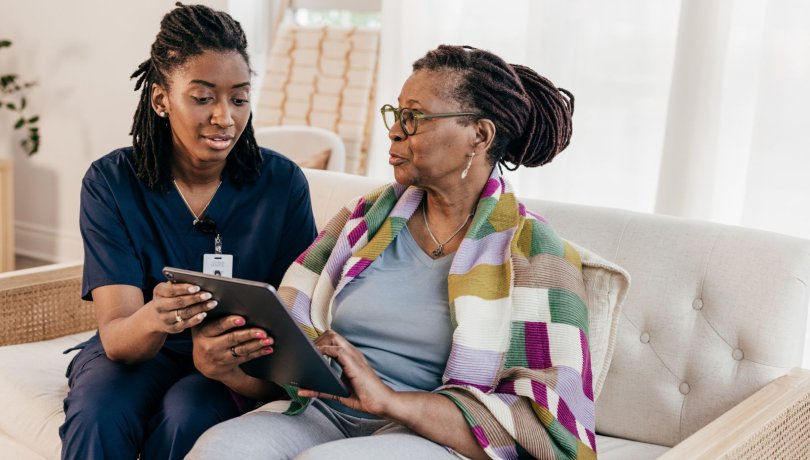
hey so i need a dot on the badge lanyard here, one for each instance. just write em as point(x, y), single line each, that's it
point(217, 263)
point(218, 244)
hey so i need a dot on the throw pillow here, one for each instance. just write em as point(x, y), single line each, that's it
point(606, 286)
point(317, 161)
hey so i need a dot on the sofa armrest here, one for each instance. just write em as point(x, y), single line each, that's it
point(43, 303)
point(772, 423)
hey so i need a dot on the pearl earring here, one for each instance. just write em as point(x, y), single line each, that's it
point(163, 114)
point(467, 169)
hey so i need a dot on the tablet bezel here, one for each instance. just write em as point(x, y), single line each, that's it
point(294, 360)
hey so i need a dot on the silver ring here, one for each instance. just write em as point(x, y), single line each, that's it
point(177, 318)
point(234, 353)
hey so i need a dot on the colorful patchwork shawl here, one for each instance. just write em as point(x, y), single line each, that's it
point(519, 367)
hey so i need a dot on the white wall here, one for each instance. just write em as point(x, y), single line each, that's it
point(82, 54)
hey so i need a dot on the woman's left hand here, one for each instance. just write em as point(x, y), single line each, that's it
point(367, 393)
point(220, 346)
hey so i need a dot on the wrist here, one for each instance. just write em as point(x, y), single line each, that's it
point(253, 388)
point(394, 406)
point(234, 379)
point(150, 320)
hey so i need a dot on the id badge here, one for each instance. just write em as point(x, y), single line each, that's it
point(218, 264)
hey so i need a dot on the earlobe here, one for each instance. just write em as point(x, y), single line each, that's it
point(159, 101)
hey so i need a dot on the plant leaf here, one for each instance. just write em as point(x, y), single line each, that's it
point(33, 136)
point(11, 106)
point(33, 119)
point(5, 43)
point(22, 104)
point(19, 123)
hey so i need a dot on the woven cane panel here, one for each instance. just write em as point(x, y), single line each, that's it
point(44, 311)
point(787, 436)
point(323, 77)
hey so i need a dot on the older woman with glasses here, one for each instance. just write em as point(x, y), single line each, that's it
point(456, 315)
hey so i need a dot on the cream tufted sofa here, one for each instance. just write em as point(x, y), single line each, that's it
point(706, 350)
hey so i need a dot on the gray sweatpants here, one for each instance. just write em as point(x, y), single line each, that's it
point(319, 433)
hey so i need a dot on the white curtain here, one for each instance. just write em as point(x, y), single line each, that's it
point(694, 108)
point(257, 18)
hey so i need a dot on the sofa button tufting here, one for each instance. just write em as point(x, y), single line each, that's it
point(645, 337)
point(697, 304)
point(684, 388)
point(737, 354)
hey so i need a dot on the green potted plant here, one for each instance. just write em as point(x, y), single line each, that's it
point(12, 98)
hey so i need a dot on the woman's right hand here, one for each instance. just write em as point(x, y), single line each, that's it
point(177, 307)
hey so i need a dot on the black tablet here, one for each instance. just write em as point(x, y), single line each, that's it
point(294, 360)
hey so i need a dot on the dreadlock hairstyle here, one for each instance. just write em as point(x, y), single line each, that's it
point(186, 32)
point(532, 117)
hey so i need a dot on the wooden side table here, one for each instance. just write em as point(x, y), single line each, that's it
point(6, 216)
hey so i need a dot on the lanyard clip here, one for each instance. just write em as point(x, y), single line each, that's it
point(218, 244)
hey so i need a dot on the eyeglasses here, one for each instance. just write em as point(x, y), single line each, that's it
point(409, 118)
point(206, 225)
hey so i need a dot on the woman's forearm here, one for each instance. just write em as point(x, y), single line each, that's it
point(129, 339)
point(253, 388)
point(434, 417)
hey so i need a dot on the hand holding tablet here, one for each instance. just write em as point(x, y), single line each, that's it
point(295, 360)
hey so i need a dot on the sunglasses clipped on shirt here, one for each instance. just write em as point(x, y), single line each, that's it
point(206, 225)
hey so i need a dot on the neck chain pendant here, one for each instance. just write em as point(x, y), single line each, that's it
point(438, 252)
point(202, 213)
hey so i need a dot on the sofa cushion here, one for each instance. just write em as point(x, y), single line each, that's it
point(10, 448)
point(606, 286)
point(610, 448)
point(32, 388)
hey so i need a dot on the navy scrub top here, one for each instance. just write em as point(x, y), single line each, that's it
point(131, 232)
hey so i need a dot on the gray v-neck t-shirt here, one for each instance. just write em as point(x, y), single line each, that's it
point(396, 313)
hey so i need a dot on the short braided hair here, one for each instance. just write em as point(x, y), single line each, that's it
point(532, 116)
point(186, 32)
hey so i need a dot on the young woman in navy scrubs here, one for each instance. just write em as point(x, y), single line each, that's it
point(193, 186)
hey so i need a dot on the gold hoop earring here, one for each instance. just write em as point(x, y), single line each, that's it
point(467, 169)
